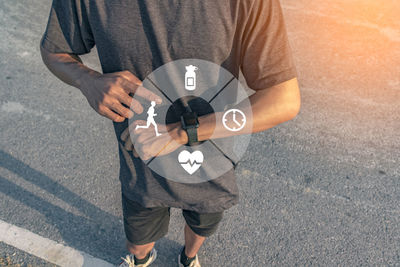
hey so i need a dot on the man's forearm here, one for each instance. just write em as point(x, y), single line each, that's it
point(108, 94)
point(68, 68)
point(275, 105)
point(269, 108)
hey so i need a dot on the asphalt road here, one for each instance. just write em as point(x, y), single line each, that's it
point(323, 189)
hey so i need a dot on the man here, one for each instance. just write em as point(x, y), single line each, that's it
point(133, 38)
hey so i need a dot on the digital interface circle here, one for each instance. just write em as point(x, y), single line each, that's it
point(203, 87)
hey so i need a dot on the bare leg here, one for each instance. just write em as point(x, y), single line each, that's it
point(193, 242)
point(140, 251)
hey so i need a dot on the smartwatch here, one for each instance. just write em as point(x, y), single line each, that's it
point(190, 123)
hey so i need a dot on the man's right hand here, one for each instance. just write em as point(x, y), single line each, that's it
point(111, 94)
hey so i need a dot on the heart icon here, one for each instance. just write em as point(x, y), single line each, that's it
point(191, 162)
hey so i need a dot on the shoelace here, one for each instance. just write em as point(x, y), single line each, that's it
point(129, 260)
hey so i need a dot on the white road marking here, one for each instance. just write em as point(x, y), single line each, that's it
point(13, 107)
point(16, 107)
point(47, 249)
point(24, 54)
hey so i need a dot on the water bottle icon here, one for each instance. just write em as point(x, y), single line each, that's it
point(190, 77)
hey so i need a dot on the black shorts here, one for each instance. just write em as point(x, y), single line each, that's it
point(145, 225)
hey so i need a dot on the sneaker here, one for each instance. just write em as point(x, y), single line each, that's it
point(194, 263)
point(129, 260)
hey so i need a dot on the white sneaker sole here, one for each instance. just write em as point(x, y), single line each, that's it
point(181, 265)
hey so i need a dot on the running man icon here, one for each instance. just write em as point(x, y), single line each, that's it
point(150, 119)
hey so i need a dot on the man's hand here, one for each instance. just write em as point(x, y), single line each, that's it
point(111, 95)
point(145, 143)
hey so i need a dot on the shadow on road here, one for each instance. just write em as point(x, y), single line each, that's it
point(96, 232)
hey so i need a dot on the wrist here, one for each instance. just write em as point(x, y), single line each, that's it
point(86, 81)
point(177, 133)
point(182, 136)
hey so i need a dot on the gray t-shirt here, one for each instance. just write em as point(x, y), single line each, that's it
point(142, 35)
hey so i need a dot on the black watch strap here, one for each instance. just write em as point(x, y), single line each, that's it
point(192, 135)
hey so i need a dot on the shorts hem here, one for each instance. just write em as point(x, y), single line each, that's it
point(201, 207)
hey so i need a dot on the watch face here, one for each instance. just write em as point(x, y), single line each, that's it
point(190, 119)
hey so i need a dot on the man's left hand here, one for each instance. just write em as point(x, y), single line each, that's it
point(145, 143)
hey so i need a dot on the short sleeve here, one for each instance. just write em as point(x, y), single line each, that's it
point(266, 58)
point(68, 29)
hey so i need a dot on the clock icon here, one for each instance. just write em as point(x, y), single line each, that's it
point(234, 120)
